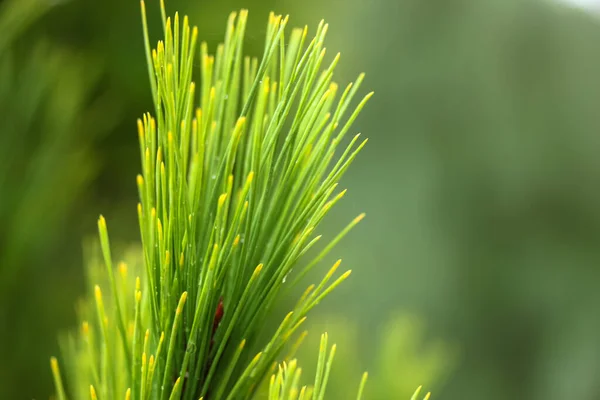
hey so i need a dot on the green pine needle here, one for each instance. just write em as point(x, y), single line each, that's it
point(415, 396)
point(237, 174)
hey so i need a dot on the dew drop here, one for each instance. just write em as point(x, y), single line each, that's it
point(191, 348)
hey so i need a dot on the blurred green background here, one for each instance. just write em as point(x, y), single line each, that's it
point(477, 269)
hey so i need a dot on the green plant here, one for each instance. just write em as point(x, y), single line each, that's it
point(231, 195)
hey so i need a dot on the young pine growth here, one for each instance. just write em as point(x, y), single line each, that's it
point(237, 174)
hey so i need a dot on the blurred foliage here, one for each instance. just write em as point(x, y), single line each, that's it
point(50, 118)
point(480, 181)
point(401, 357)
point(490, 166)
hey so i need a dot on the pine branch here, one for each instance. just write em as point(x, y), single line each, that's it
point(236, 177)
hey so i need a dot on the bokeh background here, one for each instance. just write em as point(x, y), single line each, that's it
point(477, 270)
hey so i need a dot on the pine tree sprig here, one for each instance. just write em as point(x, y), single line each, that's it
point(237, 174)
